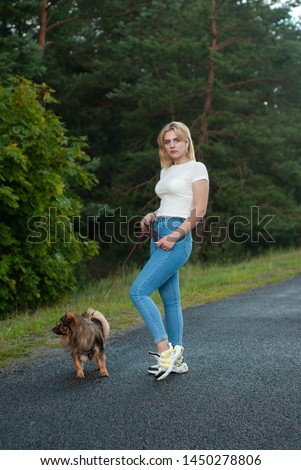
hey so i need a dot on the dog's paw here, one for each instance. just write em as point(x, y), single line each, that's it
point(80, 375)
point(104, 373)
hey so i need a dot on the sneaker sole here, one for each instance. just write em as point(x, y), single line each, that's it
point(172, 372)
point(176, 371)
point(163, 374)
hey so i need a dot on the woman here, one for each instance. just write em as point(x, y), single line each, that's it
point(183, 189)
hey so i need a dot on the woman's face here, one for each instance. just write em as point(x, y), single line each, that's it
point(175, 148)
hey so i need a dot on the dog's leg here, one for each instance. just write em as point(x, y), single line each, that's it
point(101, 363)
point(78, 366)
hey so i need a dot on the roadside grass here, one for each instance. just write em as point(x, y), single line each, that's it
point(22, 334)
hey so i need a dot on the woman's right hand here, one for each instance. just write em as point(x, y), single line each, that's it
point(146, 221)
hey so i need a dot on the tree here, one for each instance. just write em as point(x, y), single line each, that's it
point(19, 49)
point(253, 113)
point(235, 84)
point(40, 168)
point(230, 70)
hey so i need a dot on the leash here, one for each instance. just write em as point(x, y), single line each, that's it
point(154, 235)
point(119, 270)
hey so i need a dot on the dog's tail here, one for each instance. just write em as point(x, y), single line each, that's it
point(90, 312)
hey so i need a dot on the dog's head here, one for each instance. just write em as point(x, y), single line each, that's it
point(65, 325)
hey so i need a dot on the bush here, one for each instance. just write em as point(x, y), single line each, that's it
point(40, 167)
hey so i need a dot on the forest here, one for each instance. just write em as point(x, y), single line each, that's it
point(86, 86)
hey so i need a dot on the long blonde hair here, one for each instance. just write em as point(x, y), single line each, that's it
point(183, 133)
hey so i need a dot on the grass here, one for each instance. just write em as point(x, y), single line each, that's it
point(22, 334)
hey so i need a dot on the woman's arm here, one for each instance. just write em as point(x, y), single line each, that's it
point(200, 190)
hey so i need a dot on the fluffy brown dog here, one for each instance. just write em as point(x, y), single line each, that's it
point(85, 337)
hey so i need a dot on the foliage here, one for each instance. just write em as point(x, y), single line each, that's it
point(19, 51)
point(40, 168)
point(122, 69)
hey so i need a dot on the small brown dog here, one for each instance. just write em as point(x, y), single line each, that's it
point(85, 337)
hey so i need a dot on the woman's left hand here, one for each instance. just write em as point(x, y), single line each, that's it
point(165, 244)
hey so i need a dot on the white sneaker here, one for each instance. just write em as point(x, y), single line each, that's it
point(167, 359)
point(179, 367)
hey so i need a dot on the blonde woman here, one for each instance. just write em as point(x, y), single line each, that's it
point(183, 190)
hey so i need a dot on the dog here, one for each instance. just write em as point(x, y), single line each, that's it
point(85, 337)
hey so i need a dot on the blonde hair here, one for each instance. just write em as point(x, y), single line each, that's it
point(183, 133)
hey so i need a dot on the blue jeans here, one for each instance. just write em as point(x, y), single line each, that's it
point(162, 272)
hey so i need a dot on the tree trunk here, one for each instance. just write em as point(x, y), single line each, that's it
point(210, 81)
point(43, 27)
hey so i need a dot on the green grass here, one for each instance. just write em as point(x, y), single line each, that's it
point(22, 334)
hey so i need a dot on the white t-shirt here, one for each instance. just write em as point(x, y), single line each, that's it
point(175, 188)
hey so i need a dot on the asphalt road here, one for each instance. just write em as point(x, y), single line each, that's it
point(242, 390)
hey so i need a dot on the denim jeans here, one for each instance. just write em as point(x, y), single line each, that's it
point(162, 272)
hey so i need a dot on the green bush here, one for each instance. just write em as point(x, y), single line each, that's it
point(40, 168)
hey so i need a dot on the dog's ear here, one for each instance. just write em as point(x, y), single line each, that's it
point(64, 320)
point(61, 328)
